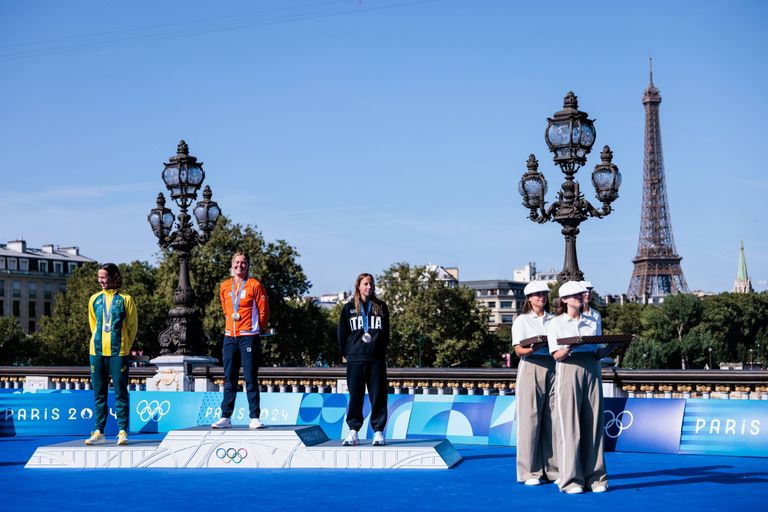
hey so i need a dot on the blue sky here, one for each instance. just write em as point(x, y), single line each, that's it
point(368, 132)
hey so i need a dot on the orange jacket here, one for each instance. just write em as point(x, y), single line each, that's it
point(253, 308)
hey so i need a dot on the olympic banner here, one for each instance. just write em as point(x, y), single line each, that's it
point(486, 420)
point(51, 413)
point(642, 425)
point(725, 427)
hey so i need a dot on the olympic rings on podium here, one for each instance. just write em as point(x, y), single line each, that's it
point(233, 455)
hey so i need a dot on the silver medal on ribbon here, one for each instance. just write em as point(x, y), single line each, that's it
point(235, 316)
point(107, 328)
point(366, 338)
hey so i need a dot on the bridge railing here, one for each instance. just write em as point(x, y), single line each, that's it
point(617, 382)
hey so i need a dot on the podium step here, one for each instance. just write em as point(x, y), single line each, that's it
point(239, 448)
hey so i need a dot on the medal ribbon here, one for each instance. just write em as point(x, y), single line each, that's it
point(107, 321)
point(365, 314)
point(236, 295)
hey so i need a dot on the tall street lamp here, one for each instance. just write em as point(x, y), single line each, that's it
point(570, 135)
point(183, 176)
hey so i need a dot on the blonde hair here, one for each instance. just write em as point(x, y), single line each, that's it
point(247, 260)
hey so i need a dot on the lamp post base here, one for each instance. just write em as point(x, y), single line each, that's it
point(174, 372)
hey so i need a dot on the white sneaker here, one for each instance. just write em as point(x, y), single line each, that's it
point(96, 438)
point(351, 439)
point(122, 438)
point(255, 423)
point(574, 490)
point(533, 481)
point(600, 488)
point(378, 438)
point(222, 423)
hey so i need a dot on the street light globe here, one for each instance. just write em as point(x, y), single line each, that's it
point(606, 177)
point(532, 186)
point(570, 134)
point(183, 175)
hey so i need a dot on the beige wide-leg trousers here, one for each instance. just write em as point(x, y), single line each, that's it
point(579, 404)
point(536, 435)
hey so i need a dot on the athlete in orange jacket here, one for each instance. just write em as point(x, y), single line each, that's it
point(244, 302)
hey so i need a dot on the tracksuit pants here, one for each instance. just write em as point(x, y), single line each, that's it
point(102, 367)
point(371, 374)
point(245, 351)
point(579, 399)
point(536, 437)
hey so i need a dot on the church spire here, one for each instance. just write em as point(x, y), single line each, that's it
point(742, 284)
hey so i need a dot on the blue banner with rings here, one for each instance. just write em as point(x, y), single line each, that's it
point(721, 427)
point(642, 425)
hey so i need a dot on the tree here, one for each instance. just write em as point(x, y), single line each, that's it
point(433, 324)
point(683, 311)
point(274, 264)
point(64, 336)
point(16, 348)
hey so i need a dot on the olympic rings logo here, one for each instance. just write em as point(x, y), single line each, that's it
point(152, 409)
point(233, 455)
point(618, 423)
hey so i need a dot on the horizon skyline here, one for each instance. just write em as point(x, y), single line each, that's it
point(370, 132)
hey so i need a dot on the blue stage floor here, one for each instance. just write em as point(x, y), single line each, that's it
point(483, 481)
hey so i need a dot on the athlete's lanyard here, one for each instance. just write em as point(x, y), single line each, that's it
point(236, 299)
point(366, 314)
point(107, 321)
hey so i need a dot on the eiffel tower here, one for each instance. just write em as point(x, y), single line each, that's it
point(657, 269)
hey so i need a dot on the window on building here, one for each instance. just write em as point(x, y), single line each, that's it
point(2, 307)
point(32, 327)
point(32, 309)
point(506, 304)
point(42, 266)
point(2, 287)
point(16, 289)
point(62, 289)
point(47, 308)
point(17, 308)
point(32, 290)
point(57, 267)
point(23, 264)
point(11, 263)
point(2, 262)
point(47, 294)
point(491, 304)
point(507, 319)
point(72, 267)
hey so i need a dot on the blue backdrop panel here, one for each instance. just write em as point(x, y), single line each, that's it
point(399, 409)
point(725, 427)
point(642, 425)
point(161, 411)
point(503, 427)
point(326, 410)
point(429, 416)
point(48, 413)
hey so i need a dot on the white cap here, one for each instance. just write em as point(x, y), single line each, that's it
point(535, 287)
point(572, 288)
point(587, 285)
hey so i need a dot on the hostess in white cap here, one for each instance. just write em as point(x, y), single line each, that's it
point(572, 288)
point(587, 285)
point(535, 287)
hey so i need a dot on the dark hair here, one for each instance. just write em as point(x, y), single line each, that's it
point(359, 299)
point(527, 308)
point(114, 279)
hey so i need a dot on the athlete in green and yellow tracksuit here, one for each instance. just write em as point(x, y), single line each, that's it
point(114, 322)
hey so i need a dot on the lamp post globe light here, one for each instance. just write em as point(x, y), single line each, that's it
point(183, 176)
point(570, 135)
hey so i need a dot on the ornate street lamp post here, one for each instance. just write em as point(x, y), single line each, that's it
point(183, 175)
point(570, 135)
